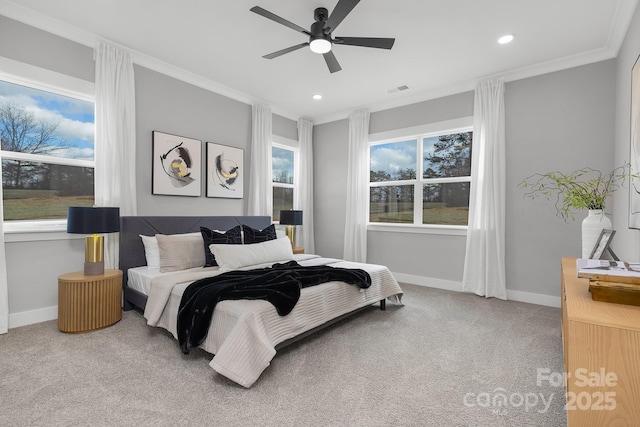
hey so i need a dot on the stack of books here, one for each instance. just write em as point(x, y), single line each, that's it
point(611, 281)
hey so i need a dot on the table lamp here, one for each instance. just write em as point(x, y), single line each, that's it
point(291, 218)
point(93, 220)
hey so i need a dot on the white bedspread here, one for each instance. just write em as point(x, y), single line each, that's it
point(244, 333)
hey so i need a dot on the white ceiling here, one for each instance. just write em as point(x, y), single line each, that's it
point(442, 46)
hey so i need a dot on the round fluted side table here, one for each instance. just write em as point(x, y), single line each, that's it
point(86, 303)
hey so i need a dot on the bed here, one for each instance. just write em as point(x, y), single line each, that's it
point(245, 334)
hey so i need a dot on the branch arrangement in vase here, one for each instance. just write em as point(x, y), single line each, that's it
point(584, 188)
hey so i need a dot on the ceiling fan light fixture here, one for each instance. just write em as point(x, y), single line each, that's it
point(320, 45)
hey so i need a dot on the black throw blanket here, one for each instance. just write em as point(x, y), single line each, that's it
point(279, 284)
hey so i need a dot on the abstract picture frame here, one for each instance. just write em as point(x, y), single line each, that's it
point(176, 165)
point(225, 171)
point(634, 155)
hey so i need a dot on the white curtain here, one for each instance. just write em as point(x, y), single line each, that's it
point(4, 286)
point(115, 171)
point(304, 199)
point(260, 183)
point(484, 264)
point(355, 232)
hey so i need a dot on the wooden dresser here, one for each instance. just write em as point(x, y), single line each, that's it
point(601, 343)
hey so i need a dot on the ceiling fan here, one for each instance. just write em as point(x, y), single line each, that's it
point(320, 33)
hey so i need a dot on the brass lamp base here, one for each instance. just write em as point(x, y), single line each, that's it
point(290, 230)
point(94, 255)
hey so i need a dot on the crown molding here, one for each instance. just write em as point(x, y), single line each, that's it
point(623, 16)
point(461, 87)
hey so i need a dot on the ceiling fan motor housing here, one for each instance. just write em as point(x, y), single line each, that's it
point(317, 30)
point(320, 14)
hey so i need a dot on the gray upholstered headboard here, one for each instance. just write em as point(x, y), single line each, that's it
point(132, 249)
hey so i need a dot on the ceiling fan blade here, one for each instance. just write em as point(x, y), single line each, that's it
point(342, 9)
point(332, 62)
point(380, 43)
point(287, 50)
point(279, 20)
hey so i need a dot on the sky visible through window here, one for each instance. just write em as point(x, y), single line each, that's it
point(394, 157)
point(282, 165)
point(74, 118)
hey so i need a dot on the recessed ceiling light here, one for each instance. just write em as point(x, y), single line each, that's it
point(505, 39)
point(317, 96)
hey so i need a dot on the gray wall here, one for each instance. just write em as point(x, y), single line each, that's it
point(626, 241)
point(30, 45)
point(168, 105)
point(558, 121)
point(329, 186)
point(561, 120)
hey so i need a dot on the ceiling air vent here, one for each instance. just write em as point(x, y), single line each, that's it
point(398, 89)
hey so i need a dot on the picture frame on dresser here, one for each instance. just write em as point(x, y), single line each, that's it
point(225, 171)
point(176, 165)
point(602, 244)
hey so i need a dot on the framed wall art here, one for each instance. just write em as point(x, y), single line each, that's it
point(225, 171)
point(176, 165)
point(634, 157)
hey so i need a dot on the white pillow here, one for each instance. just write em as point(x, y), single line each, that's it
point(232, 257)
point(180, 251)
point(151, 251)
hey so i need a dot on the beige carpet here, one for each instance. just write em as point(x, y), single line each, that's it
point(444, 359)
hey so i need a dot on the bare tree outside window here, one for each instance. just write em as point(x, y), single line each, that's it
point(39, 137)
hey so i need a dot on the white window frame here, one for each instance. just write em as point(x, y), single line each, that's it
point(291, 145)
point(464, 124)
point(39, 78)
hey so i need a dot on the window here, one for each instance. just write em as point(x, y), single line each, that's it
point(283, 168)
point(47, 141)
point(438, 195)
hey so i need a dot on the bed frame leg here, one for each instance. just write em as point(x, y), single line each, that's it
point(383, 304)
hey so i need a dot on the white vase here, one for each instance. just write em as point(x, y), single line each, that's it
point(592, 225)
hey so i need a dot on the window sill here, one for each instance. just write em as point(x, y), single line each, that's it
point(35, 231)
point(451, 230)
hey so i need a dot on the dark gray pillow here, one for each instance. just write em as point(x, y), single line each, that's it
point(229, 237)
point(251, 235)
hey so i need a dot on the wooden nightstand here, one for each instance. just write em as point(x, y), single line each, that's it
point(298, 250)
point(86, 303)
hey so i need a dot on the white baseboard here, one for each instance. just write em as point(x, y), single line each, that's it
point(448, 285)
point(531, 298)
point(451, 285)
point(33, 316)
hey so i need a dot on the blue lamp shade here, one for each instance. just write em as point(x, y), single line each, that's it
point(89, 220)
point(290, 217)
